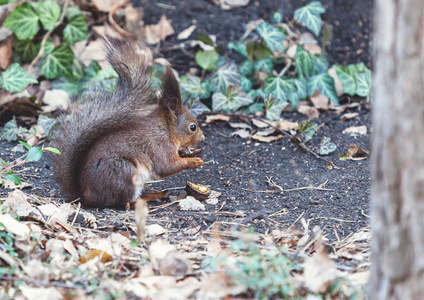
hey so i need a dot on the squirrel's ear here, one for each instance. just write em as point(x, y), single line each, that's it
point(170, 91)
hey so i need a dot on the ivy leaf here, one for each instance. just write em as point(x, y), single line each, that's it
point(49, 13)
point(272, 36)
point(193, 86)
point(23, 21)
point(311, 16)
point(240, 48)
point(198, 108)
point(34, 154)
point(76, 30)
point(266, 65)
point(364, 83)
point(72, 12)
point(46, 123)
point(279, 88)
point(274, 107)
point(320, 63)
point(225, 76)
point(277, 17)
point(308, 129)
point(207, 59)
point(301, 92)
point(246, 84)
point(26, 49)
point(346, 78)
point(232, 100)
point(246, 68)
point(58, 63)
point(326, 146)
point(15, 78)
point(12, 177)
point(325, 83)
point(257, 93)
point(303, 63)
point(257, 50)
point(10, 131)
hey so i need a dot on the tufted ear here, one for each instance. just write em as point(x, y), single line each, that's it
point(170, 92)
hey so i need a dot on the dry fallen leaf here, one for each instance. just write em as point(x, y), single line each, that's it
point(155, 229)
point(266, 139)
point(240, 125)
point(167, 260)
point(190, 203)
point(105, 5)
point(230, 4)
point(349, 116)
point(159, 32)
point(140, 215)
point(213, 118)
point(12, 225)
point(287, 125)
point(320, 101)
point(213, 198)
point(337, 83)
point(40, 293)
point(310, 111)
point(356, 130)
point(259, 123)
point(55, 99)
point(243, 133)
point(319, 272)
point(5, 50)
point(89, 255)
point(313, 49)
point(185, 34)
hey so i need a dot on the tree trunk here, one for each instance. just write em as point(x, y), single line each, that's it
point(397, 270)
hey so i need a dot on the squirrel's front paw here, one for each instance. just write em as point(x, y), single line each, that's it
point(194, 162)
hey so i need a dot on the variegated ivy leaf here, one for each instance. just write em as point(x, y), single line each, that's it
point(274, 107)
point(303, 63)
point(311, 16)
point(301, 92)
point(257, 93)
point(308, 129)
point(58, 63)
point(325, 83)
point(232, 100)
point(364, 83)
point(207, 60)
point(272, 36)
point(49, 12)
point(72, 12)
point(76, 30)
point(320, 63)
point(348, 81)
point(46, 123)
point(277, 17)
point(240, 48)
point(225, 76)
point(326, 146)
point(246, 68)
point(15, 79)
point(23, 21)
point(26, 49)
point(279, 87)
point(265, 65)
point(246, 84)
point(194, 87)
point(10, 131)
point(197, 108)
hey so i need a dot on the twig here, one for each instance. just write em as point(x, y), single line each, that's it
point(40, 282)
point(274, 185)
point(47, 35)
point(329, 218)
point(286, 68)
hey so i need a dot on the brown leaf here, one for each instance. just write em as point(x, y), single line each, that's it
point(230, 4)
point(5, 53)
point(266, 139)
point(185, 34)
point(167, 260)
point(337, 83)
point(349, 116)
point(356, 130)
point(310, 111)
point(105, 5)
point(259, 123)
point(89, 255)
point(240, 125)
point(320, 101)
point(55, 99)
point(319, 272)
point(159, 32)
point(287, 125)
point(213, 118)
point(243, 133)
point(266, 132)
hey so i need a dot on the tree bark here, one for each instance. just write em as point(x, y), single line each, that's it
point(397, 270)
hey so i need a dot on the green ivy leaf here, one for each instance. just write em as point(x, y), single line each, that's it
point(49, 12)
point(34, 154)
point(279, 87)
point(272, 36)
point(54, 150)
point(266, 65)
point(364, 82)
point(225, 76)
point(26, 49)
point(326, 146)
point(325, 83)
point(72, 12)
point(46, 123)
point(311, 16)
point(308, 129)
point(240, 48)
point(198, 108)
point(257, 93)
point(274, 107)
point(320, 63)
point(232, 100)
point(15, 78)
point(277, 17)
point(76, 30)
point(246, 68)
point(10, 131)
point(194, 87)
point(347, 80)
point(303, 63)
point(253, 108)
point(246, 84)
point(12, 177)
point(23, 21)
point(207, 59)
point(301, 92)
point(58, 63)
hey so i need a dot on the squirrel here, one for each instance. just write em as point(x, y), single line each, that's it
point(113, 142)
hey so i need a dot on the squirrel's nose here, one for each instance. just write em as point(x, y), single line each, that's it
point(202, 138)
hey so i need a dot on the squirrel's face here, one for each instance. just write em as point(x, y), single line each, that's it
point(188, 129)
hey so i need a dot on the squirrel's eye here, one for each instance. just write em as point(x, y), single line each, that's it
point(193, 127)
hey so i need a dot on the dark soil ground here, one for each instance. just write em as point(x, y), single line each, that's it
point(238, 168)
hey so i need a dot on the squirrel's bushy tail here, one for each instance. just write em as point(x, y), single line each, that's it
point(103, 112)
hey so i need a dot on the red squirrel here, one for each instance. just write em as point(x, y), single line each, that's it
point(113, 142)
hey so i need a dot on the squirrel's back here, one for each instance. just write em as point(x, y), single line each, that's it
point(95, 116)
